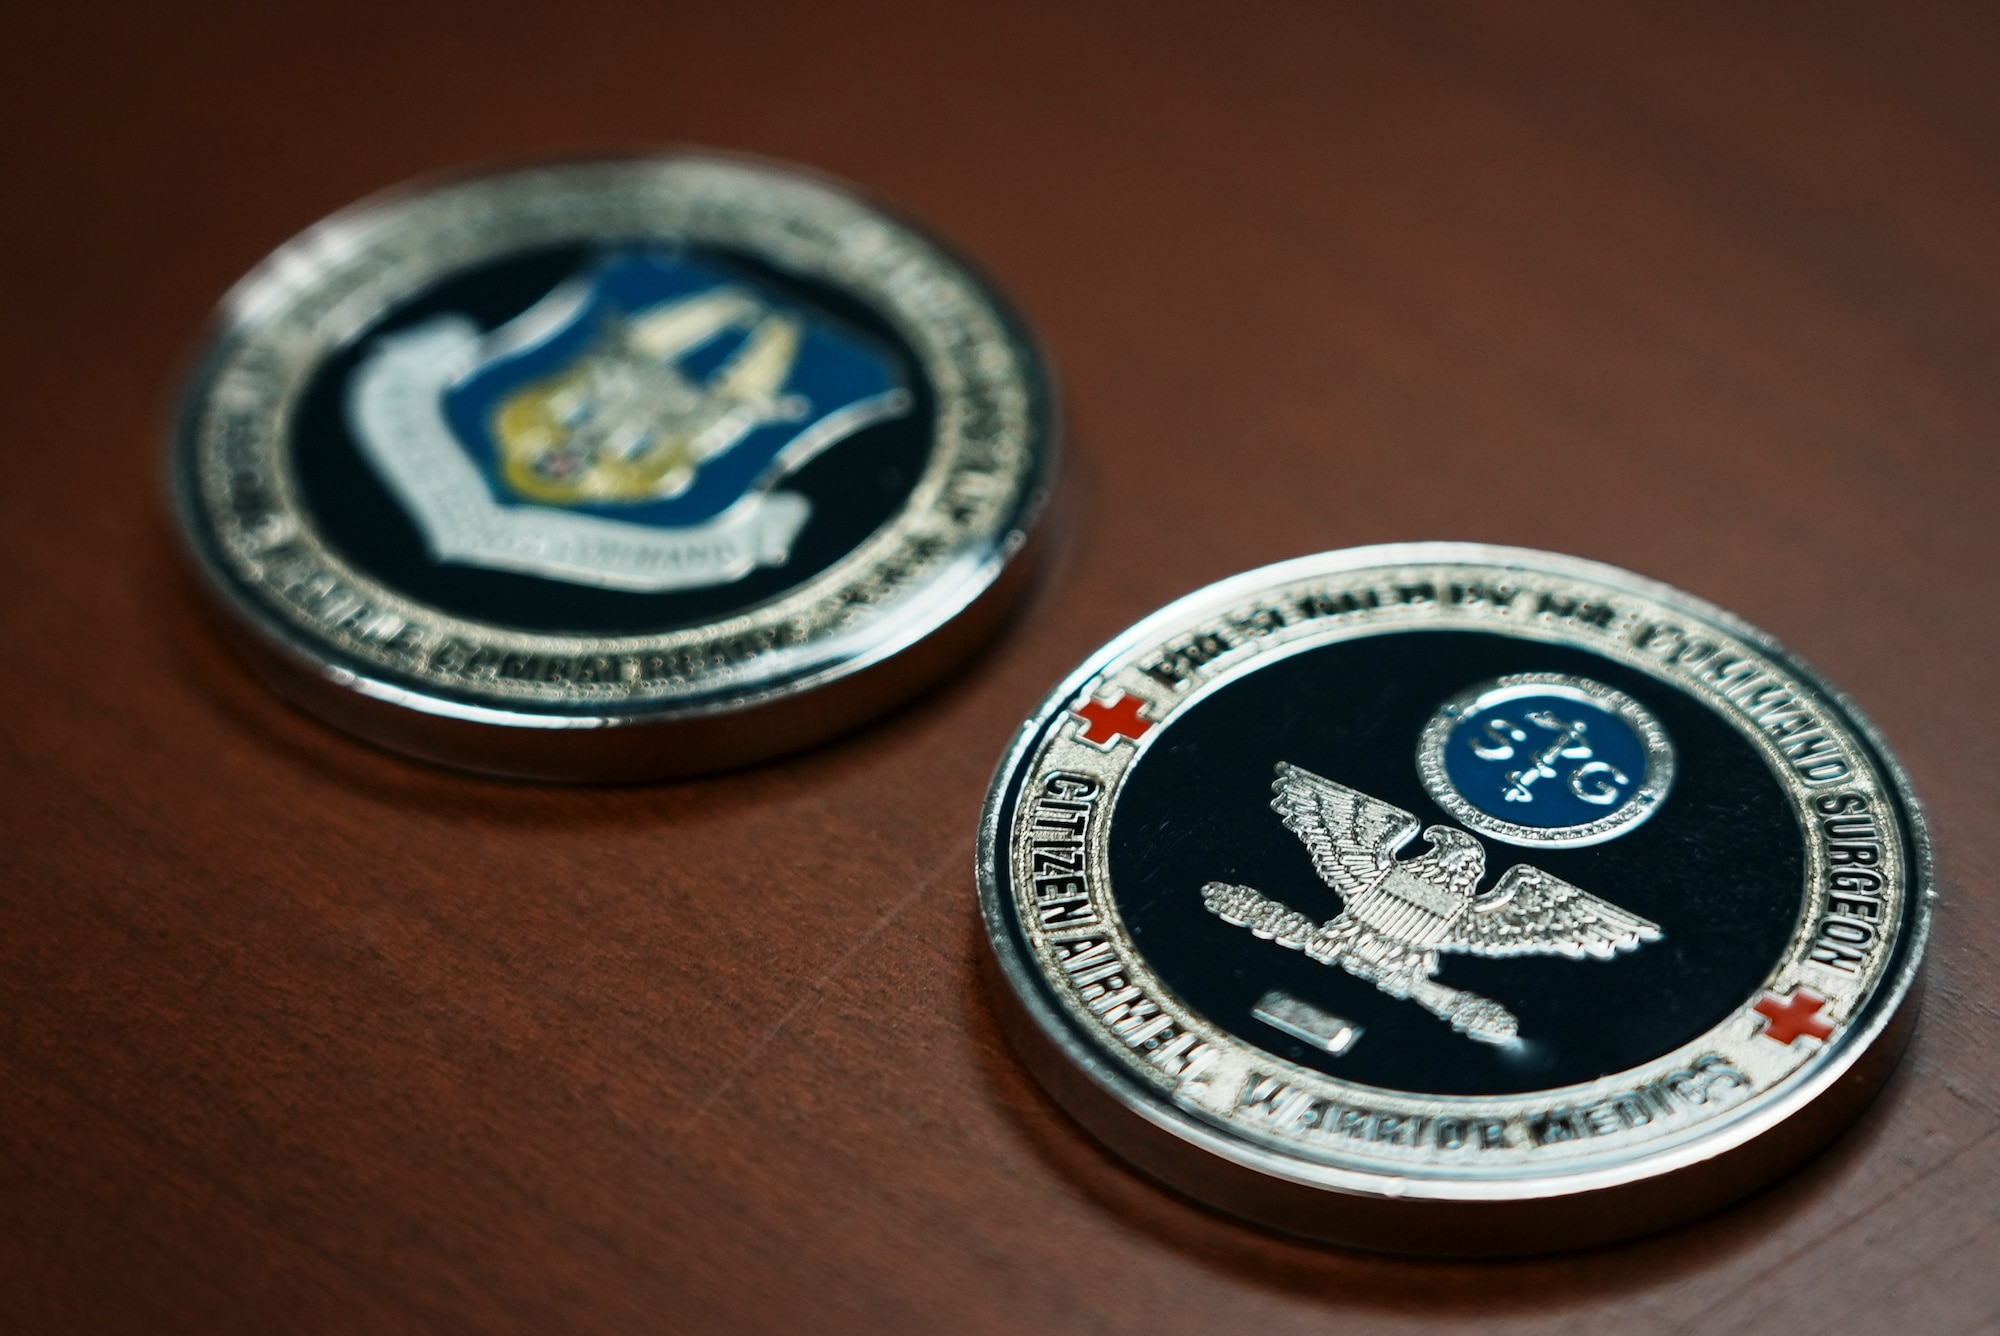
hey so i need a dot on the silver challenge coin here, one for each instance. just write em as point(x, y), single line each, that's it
point(613, 469)
point(1451, 899)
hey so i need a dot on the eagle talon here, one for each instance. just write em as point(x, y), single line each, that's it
point(1486, 1021)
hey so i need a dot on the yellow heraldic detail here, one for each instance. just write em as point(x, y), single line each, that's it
point(624, 424)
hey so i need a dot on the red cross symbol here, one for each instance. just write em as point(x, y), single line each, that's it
point(1104, 722)
point(1786, 1018)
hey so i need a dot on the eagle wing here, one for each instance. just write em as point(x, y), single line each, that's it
point(1352, 837)
point(1532, 913)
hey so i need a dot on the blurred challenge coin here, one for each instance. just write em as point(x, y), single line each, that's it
point(1451, 899)
point(612, 470)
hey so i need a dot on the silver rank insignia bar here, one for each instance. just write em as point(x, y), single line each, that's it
point(612, 470)
point(1451, 899)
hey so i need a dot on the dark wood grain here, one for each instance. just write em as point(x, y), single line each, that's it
point(295, 1036)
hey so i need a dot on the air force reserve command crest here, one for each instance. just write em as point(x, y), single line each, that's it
point(629, 430)
point(1451, 899)
point(612, 469)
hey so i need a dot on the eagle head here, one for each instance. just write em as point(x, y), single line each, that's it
point(1460, 858)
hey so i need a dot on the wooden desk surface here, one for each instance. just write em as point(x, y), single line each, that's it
point(296, 1036)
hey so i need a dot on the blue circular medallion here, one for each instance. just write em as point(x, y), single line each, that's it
point(1542, 758)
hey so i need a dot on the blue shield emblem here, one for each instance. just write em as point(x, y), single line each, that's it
point(628, 431)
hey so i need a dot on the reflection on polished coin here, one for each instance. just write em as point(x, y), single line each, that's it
point(1454, 899)
point(613, 469)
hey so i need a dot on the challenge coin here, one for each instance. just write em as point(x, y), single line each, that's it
point(1452, 899)
point(612, 469)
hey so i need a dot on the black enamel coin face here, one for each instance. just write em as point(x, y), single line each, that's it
point(1452, 878)
point(1721, 870)
point(595, 470)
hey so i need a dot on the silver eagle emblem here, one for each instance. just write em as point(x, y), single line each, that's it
point(1399, 916)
